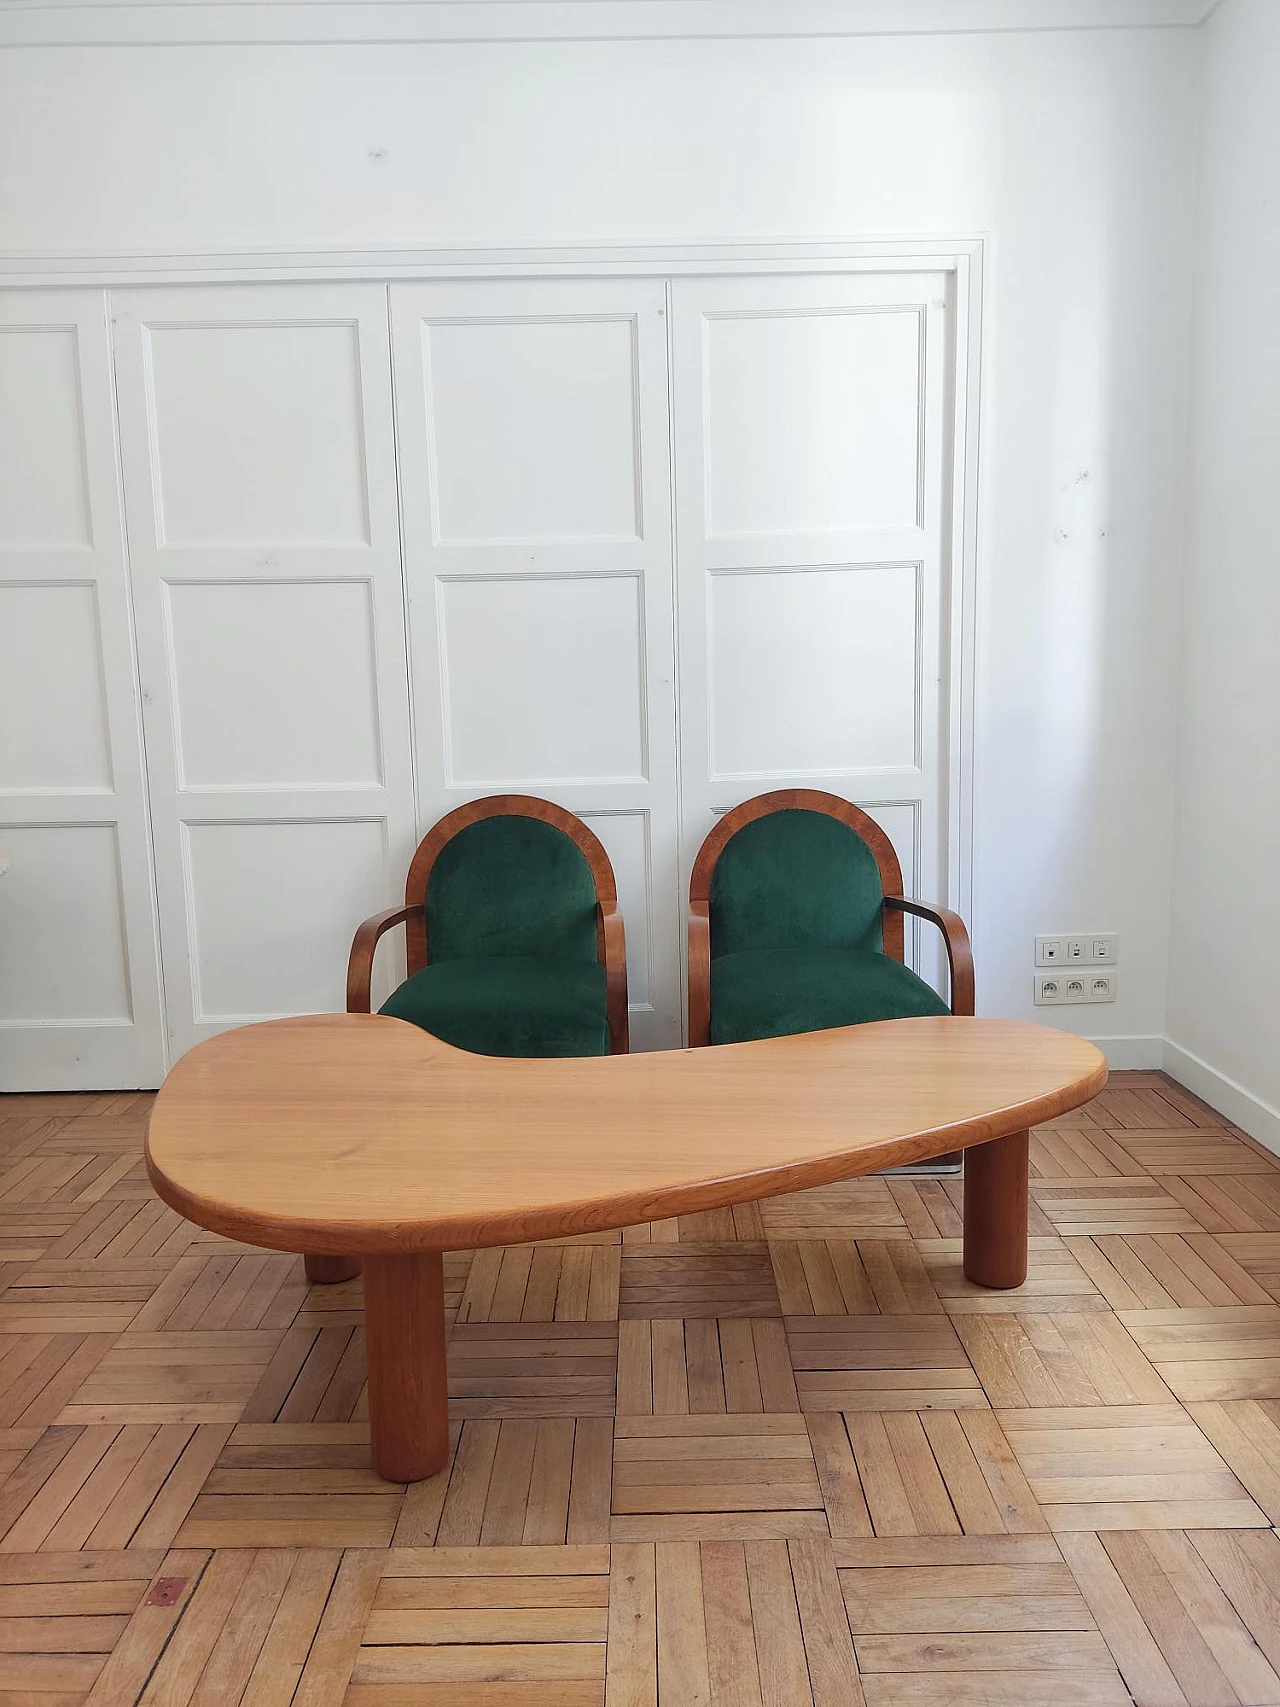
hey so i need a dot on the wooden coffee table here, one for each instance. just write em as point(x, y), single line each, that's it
point(368, 1143)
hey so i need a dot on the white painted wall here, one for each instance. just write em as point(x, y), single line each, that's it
point(1224, 1015)
point(1071, 150)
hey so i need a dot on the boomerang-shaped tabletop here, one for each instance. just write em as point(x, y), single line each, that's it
point(374, 1147)
point(356, 1133)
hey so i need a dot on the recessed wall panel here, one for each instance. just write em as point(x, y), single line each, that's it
point(542, 678)
point(813, 670)
point(533, 429)
point(626, 839)
point(257, 434)
point(61, 926)
point(899, 819)
point(43, 491)
point(901, 822)
point(275, 684)
point(273, 910)
point(812, 421)
point(53, 726)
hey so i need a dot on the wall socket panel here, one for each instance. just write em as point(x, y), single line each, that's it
point(1083, 985)
point(1088, 948)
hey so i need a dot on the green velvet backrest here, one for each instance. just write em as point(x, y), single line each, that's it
point(795, 879)
point(511, 886)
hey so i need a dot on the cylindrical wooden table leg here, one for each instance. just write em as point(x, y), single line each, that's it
point(328, 1271)
point(995, 1211)
point(405, 1349)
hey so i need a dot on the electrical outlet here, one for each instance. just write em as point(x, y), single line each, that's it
point(1083, 985)
point(1049, 951)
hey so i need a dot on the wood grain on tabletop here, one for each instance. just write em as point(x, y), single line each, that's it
point(350, 1132)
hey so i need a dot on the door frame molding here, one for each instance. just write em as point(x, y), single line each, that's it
point(965, 257)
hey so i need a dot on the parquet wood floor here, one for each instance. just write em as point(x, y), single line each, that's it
point(763, 1457)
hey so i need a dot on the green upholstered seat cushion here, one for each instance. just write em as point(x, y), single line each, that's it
point(795, 879)
point(510, 1005)
point(774, 992)
point(511, 886)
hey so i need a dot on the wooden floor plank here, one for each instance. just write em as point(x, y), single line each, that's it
point(828, 1644)
point(631, 1669)
point(781, 1662)
point(685, 1476)
point(1126, 1467)
point(283, 1654)
point(335, 1649)
point(732, 1664)
point(878, 1363)
point(683, 1670)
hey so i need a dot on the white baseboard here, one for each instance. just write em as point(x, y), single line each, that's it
point(1240, 1106)
point(1131, 1054)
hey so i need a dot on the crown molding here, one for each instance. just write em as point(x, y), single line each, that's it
point(410, 261)
point(194, 23)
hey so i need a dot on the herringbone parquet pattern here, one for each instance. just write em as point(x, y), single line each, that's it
point(760, 1457)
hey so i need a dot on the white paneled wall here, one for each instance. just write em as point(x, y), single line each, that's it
point(536, 476)
point(811, 468)
point(79, 974)
point(1057, 150)
point(260, 492)
point(392, 549)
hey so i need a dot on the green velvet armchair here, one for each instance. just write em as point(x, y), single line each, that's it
point(515, 944)
point(796, 924)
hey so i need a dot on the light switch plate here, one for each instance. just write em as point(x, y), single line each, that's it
point(1081, 948)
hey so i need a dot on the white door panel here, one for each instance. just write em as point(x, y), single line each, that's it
point(811, 458)
point(811, 418)
point(814, 672)
point(567, 653)
point(79, 974)
point(533, 431)
point(260, 485)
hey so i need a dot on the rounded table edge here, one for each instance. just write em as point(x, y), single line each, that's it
point(605, 1214)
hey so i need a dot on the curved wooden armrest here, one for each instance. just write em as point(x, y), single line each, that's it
point(613, 952)
point(360, 965)
point(699, 980)
point(956, 937)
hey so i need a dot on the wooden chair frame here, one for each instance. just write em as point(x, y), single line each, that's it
point(610, 936)
point(896, 904)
